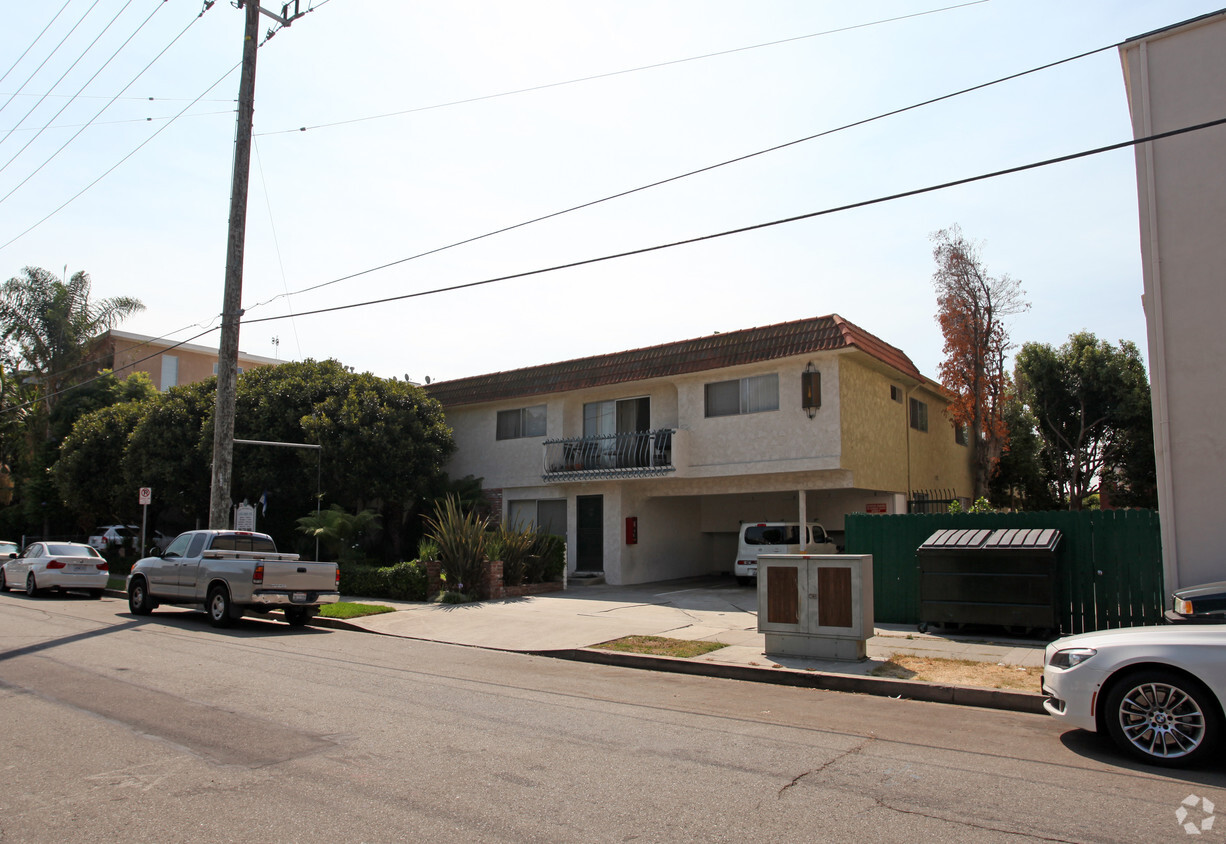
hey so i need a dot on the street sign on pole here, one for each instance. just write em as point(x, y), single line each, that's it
point(144, 498)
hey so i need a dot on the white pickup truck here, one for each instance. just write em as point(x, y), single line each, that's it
point(232, 573)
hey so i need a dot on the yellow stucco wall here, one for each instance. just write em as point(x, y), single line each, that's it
point(880, 447)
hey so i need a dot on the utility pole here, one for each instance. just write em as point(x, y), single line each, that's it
point(231, 309)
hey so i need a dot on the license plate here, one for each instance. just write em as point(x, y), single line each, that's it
point(77, 569)
point(298, 597)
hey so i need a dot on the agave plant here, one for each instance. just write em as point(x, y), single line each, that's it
point(461, 540)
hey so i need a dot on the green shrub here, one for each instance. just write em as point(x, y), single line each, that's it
point(427, 549)
point(461, 538)
point(401, 582)
point(514, 549)
point(547, 558)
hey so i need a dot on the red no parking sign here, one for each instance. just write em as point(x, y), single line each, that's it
point(146, 495)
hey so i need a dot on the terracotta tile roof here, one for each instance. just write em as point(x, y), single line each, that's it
point(734, 348)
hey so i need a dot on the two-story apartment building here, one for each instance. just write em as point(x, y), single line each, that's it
point(648, 460)
point(167, 363)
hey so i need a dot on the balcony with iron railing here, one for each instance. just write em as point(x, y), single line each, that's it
point(641, 454)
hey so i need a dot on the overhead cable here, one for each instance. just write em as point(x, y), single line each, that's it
point(622, 72)
point(109, 102)
point(66, 72)
point(757, 226)
point(686, 175)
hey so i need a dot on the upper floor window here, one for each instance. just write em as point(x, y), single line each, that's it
point(896, 393)
point(616, 416)
point(521, 422)
point(919, 415)
point(960, 436)
point(744, 395)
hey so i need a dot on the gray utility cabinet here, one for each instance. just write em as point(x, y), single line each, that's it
point(999, 577)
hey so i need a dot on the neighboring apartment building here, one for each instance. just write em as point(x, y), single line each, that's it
point(1174, 79)
point(649, 460)
point(167, 363)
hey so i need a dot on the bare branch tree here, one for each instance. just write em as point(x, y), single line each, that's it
point(971, 310)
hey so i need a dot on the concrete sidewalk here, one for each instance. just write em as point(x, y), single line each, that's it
point(568, 623)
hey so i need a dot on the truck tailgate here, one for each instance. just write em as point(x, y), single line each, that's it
point(299, 576)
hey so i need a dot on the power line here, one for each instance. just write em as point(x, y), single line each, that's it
point(110, 102)
point(757, 226)
point(70, 67)
point(622, 72)
point(127, 120)
point(706, 169)
point(100, 376)
point(117, 164)
point(47, 59)
point(33, 43)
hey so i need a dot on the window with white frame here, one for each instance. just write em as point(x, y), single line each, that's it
point(170, 371)
point(755, 394)
point(919, 415)
point(521, 422)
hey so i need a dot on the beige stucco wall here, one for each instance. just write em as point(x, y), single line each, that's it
point(1174, 79)
point(783, 440)
point(194, 364)
point(729, 469)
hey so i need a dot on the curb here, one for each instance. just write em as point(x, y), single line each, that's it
point(880, 686)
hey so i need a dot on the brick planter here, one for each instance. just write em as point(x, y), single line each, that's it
point(491, 587)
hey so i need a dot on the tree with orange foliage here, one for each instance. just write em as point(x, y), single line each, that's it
point(971, 308)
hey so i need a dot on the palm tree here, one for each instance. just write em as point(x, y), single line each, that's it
point(52, 322)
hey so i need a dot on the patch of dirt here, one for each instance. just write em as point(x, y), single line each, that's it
point(960, 672)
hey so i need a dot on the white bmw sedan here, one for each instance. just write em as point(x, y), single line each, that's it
point(55, 565)
point(1159, 692)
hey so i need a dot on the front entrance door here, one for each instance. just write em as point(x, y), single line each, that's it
point(589, 545)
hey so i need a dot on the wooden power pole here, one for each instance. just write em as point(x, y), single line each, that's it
point(231, 310)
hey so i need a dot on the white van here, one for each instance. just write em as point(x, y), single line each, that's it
point(775, 538)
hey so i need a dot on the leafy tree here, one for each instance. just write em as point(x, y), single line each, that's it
point(52, 322)
point(971, 310)
point(1022, 480)
point(169, 451)
point(384, 443)
point(96, 448)
point(1092, 404)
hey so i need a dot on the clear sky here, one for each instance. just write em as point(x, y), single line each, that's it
point(410, 146)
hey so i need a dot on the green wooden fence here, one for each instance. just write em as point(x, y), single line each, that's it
point(1108, 563)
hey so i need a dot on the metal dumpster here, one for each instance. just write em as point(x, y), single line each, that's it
point(995, 577)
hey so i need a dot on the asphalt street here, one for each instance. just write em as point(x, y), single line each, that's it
point(163, 729)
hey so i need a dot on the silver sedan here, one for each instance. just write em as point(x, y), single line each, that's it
point(56, 565)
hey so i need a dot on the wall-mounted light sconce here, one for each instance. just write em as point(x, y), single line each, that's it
point(811, 390)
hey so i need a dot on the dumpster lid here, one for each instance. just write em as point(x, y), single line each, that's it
point(965, 538)
point(1031, 539)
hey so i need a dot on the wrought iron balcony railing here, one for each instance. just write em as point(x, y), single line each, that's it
point(641, 454)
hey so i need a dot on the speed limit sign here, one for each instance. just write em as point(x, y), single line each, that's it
point(146, 495)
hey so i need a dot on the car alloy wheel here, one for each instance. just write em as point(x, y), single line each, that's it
point(1162, 717)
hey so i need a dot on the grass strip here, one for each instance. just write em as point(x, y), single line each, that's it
point(661, 646)
point(348, 609)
